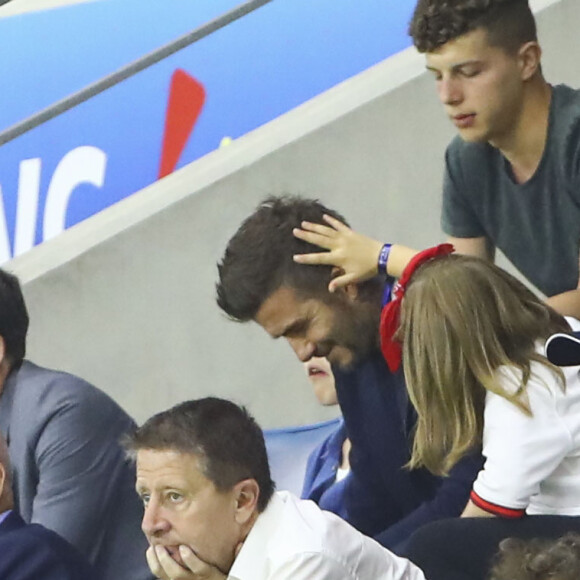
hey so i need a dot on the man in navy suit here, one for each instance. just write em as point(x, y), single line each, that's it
point(70, 472)
point(31, 552)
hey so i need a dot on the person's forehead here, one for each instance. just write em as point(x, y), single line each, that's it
point(473, 45)
point(163, 467)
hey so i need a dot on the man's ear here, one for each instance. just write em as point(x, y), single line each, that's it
point(5, 494)
point(529, 56)
point(350, 290)
point(5, 364)
point(2, 350)
point(246, 494)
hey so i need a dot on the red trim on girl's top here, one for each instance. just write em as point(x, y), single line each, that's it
point(495, 509)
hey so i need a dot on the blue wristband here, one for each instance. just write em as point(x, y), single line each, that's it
point(383, 258)
point(387, 292)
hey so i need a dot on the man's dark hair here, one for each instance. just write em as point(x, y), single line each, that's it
point(225, 438)
point(538, 559)
point(258, 258)
point(13, 319)
point(509, 23)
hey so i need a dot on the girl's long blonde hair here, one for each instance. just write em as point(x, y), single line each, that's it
point(461, 319)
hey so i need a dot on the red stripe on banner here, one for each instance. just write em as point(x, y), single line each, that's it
point(495, 509)
point(186, 99)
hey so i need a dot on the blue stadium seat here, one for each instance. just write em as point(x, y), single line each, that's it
point(288, 451)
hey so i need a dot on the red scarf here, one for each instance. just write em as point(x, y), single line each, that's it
point(390, 316)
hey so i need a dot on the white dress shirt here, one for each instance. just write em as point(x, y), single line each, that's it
point(4, 515)
point(294, 539)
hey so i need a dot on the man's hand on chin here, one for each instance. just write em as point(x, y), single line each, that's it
point(165, 567)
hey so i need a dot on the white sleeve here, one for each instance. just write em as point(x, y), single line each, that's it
point(520, 451)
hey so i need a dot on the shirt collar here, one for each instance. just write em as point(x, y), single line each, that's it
point(252, 559)
point(4, 515)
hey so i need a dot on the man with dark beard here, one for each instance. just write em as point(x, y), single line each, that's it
point(260, 281)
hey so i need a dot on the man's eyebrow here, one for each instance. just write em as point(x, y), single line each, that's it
point(456, 66)
point(295, 324)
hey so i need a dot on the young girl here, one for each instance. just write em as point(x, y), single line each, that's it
point(473, 354)
point(472, 339)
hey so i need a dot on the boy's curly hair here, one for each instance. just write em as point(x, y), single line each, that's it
point(509, 23)
point(538, 559)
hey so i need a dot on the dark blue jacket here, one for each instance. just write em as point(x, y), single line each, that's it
point(33, 552)
point(382, 498)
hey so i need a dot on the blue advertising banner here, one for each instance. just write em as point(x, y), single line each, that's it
point(173, 112)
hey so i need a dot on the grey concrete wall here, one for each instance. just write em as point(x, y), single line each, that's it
point(126, 299)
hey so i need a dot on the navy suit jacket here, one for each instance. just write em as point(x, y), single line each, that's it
point(32, 552)
point(70, 471)
point(383, 499)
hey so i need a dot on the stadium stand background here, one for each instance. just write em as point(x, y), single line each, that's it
point(126, 298)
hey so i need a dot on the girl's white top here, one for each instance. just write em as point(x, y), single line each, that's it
point(533, 463)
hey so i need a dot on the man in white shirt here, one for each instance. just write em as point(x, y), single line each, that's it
point(211, 512)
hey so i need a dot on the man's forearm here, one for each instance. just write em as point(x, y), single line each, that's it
point(567, 303)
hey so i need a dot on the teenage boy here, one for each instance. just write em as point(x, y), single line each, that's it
point(512, 175)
